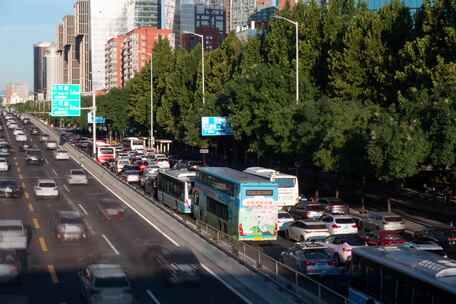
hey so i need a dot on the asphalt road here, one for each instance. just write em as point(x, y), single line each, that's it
point(52, 267)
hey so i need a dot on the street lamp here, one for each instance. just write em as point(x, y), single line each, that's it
point(296, 24)
point(152, 139)
point(202, 58)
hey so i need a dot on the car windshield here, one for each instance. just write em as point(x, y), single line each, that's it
point(315, 254)
point(354, 241)
point(114, 282)
point(11, 228)
point(71, 220)
point(8, 184)
point(77, 172)
point(393, 219)
point(316, 226)
point(285, 182)
point(345, 221)
point(47, 185)
point(7, 257)
point(316, 208)
point(284, 216)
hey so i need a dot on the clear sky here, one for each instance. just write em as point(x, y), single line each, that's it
point(23, 23)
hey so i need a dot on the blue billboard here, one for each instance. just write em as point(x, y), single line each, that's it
point(98, 120)
point(215, 126)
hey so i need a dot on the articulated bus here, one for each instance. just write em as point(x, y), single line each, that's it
point(175, 189)
point(401, 275)
point(237, 203)
point(288, 186)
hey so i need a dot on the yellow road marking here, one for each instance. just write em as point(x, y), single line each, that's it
point(36, 224)
point(23, 185)
point(53, 274)
point(30, 206)
point(20, 176)
point(18, 169)
point(43, 244)
point(27, 196)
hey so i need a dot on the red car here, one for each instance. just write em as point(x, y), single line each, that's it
point(384, 238)
point(141, 164)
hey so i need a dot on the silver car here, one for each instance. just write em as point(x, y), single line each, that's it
point(46, 188)
point(9, 266)
point(77, 177)
point(105, 283)
point(69, 226)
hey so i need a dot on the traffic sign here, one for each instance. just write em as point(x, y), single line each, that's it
point(204, 151)
point(66, 100)
point(98, 120)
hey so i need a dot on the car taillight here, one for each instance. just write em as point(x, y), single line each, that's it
point(346, 249)
point(332, 263)
point(335, 226)
point(354, 226)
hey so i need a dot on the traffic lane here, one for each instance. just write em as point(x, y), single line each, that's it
point(130, 238)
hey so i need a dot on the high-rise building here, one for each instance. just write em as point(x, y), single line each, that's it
point(143, 13)
point(15, 93)
point(51, 60)
point(82, 42)
point(170, 20)
point(137, 49)
point(107, 19)
point(70, 63)
point(240, 11)
point(378, 4)
point(39, 68)
point(113, 62)
point(59, 50)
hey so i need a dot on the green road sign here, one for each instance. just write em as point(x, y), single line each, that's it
point(66, 100)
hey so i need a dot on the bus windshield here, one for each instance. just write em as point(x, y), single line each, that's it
point(285, 182)
point(107, 150)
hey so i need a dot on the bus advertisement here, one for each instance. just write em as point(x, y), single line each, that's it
point(237, 203)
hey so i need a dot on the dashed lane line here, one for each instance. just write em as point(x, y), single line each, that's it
point(27, 196)
point(66, 188)
point(152, 296)
point(53, 274)
point(43, 244)
point(23, 185)
point(46, 161)
point(55, 172)
point(110, 244)
point(36, 224)
point(83, 209)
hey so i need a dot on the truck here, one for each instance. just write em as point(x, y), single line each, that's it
point(13, 235)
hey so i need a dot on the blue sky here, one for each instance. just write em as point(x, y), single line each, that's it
point(23, 23)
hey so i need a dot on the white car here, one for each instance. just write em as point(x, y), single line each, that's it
point(10, 266)
point(306, 231)
point(51, 145)
point(4, 166)
point(131, 176)
point(341, 245)
point(105, 283)
point(384, 221)
point(120, 164)
point(21, 137)
point(77, 177)
point(46, 188)
point(18, 131)
point(61, 154)
point(340, 224)
point(12, 126)
point(283, 219)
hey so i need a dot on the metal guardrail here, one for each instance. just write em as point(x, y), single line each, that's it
point(252, 257)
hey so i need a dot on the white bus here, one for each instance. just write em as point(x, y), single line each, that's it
point(288, 186)
point(400, 275)
point(175, 189)
point(133, 143)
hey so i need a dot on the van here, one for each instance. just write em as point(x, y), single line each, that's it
point(13, 235)
point(384, 221)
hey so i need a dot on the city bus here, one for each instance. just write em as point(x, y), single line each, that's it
point(105, 152)
point(133, 143)
point(401, 275)
point(175, 189)
point(288, 186)
point(237, 203)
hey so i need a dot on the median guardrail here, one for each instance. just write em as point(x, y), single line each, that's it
point(289, 279)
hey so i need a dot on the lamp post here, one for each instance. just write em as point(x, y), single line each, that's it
point(296, 24)
point(202, 59)
point(152, 138)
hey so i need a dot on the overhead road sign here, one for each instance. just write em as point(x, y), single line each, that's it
point(98, 120)
point(66, 100)
point(215, 126)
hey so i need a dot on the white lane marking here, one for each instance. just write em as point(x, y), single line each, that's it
point(243, 298)
point(66, 188)
point(110, 244)
point(46, 161)
point(83, 209)
point(136, 211)
point(55, 172)
point(151, 295)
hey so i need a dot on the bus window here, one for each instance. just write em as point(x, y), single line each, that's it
point(389, 286)
point(218, 209)
point(285, 182)
point(422, 293)
point(373, 279)
point(404, 290)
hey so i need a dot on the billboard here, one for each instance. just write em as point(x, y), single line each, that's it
point(215, 126)
point(258, 219)
point(98, 120)
point(66, 100)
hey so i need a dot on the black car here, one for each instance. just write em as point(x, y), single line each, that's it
point(10, 188)
point(24, 146)
point(445, 237)
point(34, 157)
point(177, 266)
point(35, 131)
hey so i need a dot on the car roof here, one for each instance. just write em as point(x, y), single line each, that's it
point(106, 271)
point(48, 180)
point(341, 216)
